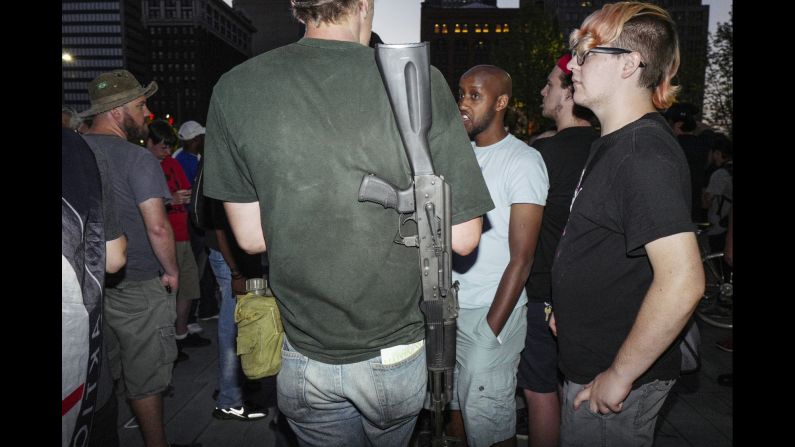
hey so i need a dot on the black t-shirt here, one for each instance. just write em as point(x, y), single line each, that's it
point(564, 155)
point(636, 191)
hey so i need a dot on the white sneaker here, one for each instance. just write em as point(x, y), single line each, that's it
point(194, 328)
point(240, 413)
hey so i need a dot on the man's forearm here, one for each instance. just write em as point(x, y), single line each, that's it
point(160, 233)
point(246, 223)
point(660, 320)
point(161, 238)
point(523, 229)
point(466, 236)
point(670, 301)
point(511, 285)
point(115, 254)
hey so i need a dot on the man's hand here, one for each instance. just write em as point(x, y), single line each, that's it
point(552, 325)
point(605, 394)
point(170, 282)
point(180, 197)
point(239, 285)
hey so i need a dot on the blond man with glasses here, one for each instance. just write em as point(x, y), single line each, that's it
point(627, 274)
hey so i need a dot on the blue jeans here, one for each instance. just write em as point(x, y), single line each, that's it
point(230, 374)
point(355, 404)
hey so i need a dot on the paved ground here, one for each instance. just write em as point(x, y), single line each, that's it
point(698, 412)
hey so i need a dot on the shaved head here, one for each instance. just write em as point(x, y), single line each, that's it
point(484, 92)
point(497, 79)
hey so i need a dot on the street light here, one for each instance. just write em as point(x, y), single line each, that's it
point(67, 58)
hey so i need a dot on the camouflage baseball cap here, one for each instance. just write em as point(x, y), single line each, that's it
point(113, 89)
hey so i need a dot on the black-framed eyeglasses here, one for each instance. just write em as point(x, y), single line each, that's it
point(603, 50)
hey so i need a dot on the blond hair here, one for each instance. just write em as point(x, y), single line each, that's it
point(642, 27)
point(322, 11)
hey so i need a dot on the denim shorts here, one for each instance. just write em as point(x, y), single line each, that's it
point(139, 332)
point(354, 404)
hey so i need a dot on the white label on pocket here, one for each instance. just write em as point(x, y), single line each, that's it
point(400, 352)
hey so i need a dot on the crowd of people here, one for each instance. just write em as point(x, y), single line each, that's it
point(576, 256)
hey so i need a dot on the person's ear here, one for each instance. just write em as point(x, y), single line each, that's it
point(364, 9)
point(632, 63)
point(502, 102)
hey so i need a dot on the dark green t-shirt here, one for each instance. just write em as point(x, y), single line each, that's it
point(296, 129)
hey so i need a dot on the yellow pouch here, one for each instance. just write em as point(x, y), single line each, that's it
point(259, 335)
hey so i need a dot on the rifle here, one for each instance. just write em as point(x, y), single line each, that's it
point(427, 201)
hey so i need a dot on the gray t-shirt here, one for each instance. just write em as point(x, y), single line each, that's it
point(136, 177)
point(296, 129)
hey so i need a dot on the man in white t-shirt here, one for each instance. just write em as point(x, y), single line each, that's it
point(492, 320)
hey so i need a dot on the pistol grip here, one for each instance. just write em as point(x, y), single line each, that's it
point(377, 190)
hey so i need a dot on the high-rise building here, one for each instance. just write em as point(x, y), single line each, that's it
point(192, 43)
point(274, 21)
point(692, 24)
point(463, 34)
point(99, 36)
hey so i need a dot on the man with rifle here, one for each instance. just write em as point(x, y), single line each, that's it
point(290, 135)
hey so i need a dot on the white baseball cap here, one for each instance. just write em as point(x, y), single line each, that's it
point(190, 130)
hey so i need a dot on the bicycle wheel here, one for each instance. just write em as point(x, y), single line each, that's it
point(716, 306)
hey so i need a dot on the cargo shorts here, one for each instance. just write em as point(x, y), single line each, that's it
point(139, 332)
point(485, 375)
point(188, 272)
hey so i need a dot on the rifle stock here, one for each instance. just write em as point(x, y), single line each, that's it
point(405, 69)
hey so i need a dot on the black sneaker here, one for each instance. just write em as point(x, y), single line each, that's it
point(240, 413)
point(193, 341)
